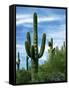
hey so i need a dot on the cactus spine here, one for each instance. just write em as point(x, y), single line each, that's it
point(18, 62)
point(32, 50)
point(27, 62)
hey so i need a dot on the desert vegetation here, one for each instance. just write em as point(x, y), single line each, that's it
point(54, 67)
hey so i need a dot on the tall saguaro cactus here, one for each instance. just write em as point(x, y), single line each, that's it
point(32, 49)
point(18, 62)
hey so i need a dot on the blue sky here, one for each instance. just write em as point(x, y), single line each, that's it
point(50, 21)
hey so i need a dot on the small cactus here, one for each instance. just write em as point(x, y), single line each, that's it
point(18, 62)
point(32, 50)
point(51, 50)
point(27, 62)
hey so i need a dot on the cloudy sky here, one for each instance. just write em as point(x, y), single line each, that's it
point(50, 21)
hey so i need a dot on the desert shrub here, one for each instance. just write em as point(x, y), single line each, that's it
point(22, 76)
point(54, 69)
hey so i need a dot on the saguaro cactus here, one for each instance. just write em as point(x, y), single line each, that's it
point(64, 46)
point(32, 50)
point(51, 50)
point(27, 62)
point(18, 62)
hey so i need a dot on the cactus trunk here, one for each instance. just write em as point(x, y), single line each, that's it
point(32, 50)
point(35, 44)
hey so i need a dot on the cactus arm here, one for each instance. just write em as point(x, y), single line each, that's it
point(50, 43)
point(53, 50)
point(27, 47)
point(28, 38)
point(42, 45)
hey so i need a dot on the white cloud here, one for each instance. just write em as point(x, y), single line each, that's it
point(59, 36)
point(20, 49)
point(28, 19)
point(58, 43)
point(22, 16)
point(48, 19)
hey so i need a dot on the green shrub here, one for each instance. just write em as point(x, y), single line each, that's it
point(23, 76)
